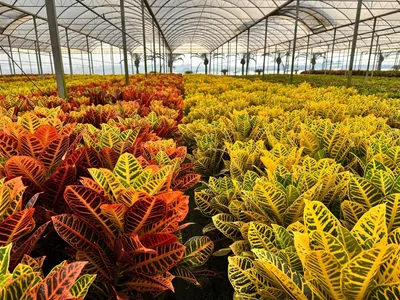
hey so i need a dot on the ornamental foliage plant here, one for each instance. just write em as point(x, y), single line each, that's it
point(302, 183)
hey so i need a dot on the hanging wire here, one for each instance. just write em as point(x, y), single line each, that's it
point(14, 62)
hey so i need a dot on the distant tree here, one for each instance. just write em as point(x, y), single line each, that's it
point(173, 58)
point(137, 59)
point(245, 60)
point(314, 58)
point(204, 58)
point(381, 58)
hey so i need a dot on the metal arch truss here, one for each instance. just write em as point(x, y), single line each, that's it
point(211, 24)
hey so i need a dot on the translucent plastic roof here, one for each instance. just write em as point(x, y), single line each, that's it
point(201, 25)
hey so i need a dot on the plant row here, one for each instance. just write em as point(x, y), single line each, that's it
point(302, 182)
point(96, 185)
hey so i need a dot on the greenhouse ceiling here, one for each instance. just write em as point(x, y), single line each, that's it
point(184, 26)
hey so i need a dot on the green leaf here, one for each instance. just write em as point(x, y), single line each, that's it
point(82, 285)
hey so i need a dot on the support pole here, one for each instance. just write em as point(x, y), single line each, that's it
point(370, 48)
point(191, 58)
point(91, 61)
point(222, 57)
point(236, 56)
point(154, 50)
point(29, 60)
point(286, 67)
point(120, 60)
point(51, 64)
point(376, 52)
point(333, 50)
point(112, 60)
point(159, 51)
point(12, 67)
point(83, 67)
point(144, 41)
point(39, 58)
point(88, 54)
point(248, 53)
point(133, 72)
point(265, 46)
point(294, 40)
point(217, 65)
point(354, 44)
point(228, 58)
point(69, 53)
point(102, 58)
point(20, 60)
point(308, 45)
point(56, 47)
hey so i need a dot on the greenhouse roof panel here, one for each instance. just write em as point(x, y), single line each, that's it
point(199, 24)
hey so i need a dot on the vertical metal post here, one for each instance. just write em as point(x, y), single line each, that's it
point(112, 59)
point(51, 64)
point(12, 67)
point(326, 59)
point(333, 49)
point(285, 69)
point(83, 67)
point(91, 61)
point(217, 61)
point(228, 58)
point(191, 57)
point(370, 48)
point(265, 46)
point(236, 56)
point(39, 58)
point(376, 52)
point(275, 63)
point(144, 40)
point(56, 47)
point(120, 60)
point(19, 57)
point(360, 60)
point(102, 57)
point(268, 60)
point(154, 50)
point(248, 52)
point(159, 51)
point(165, 58)
point(354, 43)
point(294, 40)
point(308, 45)
point(88, 54)
point(133, 72)
point(69, 53)
point(29, 60)
point(222, 57)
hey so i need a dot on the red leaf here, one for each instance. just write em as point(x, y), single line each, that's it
point(57, 285)
point(29, 145)
point(55, 186)
point(86, 203)
point(19, 250)
point(54, 152)
point(142, 283)
point(46, 133)
point(145, 211)
point(158, 239)
point(77, 233)
point(8, 145)
point(129, 245)
point(16, 226)
point(167, 256)
point(31, 170)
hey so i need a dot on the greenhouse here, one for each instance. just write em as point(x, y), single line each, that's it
point(202, 150)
